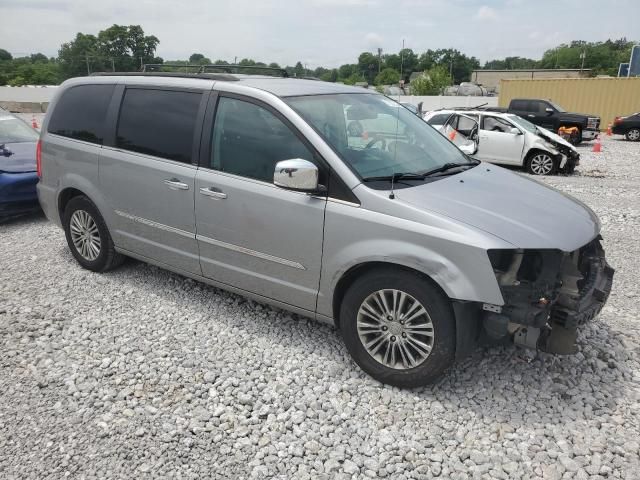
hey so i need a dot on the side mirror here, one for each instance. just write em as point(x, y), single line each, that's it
point(515, 131)
point(549, 110)
point(296, 174)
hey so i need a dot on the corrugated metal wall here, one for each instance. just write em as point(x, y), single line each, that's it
point(606, 97)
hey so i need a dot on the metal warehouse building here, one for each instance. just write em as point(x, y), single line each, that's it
point(491, 78)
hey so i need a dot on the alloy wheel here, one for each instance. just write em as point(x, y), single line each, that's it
point(85, 235)
point(633, 135)
point(395, 329)
point(541, 164)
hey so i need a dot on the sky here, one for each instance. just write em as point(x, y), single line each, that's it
point(322, 32)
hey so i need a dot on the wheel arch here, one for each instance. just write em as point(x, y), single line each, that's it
point(360, 269)
point(65, 197)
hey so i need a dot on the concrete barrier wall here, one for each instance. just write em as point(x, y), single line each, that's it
point(36, 100)
point(27, 94)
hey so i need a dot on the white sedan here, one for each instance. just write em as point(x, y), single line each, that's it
point(508, 139)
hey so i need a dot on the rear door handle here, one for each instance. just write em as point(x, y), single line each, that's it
point(531, 115)
point(176, 184)
point(213, 192)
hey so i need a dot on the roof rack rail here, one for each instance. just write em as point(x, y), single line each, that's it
point(219, 67)
point(206, 76)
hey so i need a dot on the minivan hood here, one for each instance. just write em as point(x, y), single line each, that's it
point(514, 208)
point(18, 157)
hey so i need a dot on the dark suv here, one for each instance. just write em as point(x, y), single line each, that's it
point(551, 116)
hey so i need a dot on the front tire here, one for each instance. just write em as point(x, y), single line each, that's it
point(88, 237)
point(398, 327)
point(541, 163)
point(633, 135)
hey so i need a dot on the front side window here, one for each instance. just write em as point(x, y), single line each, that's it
point(248, 140)
point(496, 124)
point(376, 136)
point(81, 113)
point(159, 123)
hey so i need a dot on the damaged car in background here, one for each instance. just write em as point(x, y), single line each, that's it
point(508, 139)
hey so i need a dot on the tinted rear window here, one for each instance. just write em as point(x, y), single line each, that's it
point(158, 122)
point(81, 112)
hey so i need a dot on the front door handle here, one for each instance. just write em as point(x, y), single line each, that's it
point(213, 192)
point(531, 115)
point(176, 184)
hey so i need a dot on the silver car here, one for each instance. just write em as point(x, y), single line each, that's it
point(330, 201)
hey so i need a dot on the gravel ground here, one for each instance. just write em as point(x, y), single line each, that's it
point(143, 373)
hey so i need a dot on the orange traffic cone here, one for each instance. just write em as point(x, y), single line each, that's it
point(597, 147)
point(34, 124)
point(609, 130)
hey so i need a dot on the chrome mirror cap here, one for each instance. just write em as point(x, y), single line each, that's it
point(296, 174)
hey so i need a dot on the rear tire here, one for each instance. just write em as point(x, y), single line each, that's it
point(633, 135)
point(541, 163)
point(88, 237)
point(419, 320)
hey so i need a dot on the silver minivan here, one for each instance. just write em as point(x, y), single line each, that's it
point(330, 201)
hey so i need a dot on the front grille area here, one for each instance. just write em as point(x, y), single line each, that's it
point(586, 284)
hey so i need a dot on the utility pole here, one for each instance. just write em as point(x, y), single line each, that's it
point(451, 70)
point(86, 57)
point(401, 58)
point(583, 55)
point(113, 65)
point(379, 58)
point(235, 60)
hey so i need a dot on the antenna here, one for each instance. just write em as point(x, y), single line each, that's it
point(392, 195)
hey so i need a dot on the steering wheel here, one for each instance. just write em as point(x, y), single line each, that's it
point(376, 140)
point(355, 129)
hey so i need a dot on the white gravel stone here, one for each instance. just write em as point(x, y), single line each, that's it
point(141, 372)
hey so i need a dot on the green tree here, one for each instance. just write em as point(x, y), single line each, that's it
point(432, 82)
point(247, 62)
point(368, 63)
point(603, 58)
point(199, 59)
point(4, 55)
point(330, 76)
point(388, 76)
point(458, 63)
point(345, 71)
point(274, 65)
point(511, 63)
point(119, 47)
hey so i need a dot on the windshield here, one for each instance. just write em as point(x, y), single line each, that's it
point(377, 136)
point(557, 107)
point(526, 124)
point(13, 130)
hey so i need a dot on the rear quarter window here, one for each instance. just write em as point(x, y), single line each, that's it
point(158, 122)
point(81, 113)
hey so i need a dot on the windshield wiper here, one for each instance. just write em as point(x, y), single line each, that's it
point(395, 177)
point(449, 166)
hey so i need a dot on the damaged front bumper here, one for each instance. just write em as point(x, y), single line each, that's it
point(548, 295)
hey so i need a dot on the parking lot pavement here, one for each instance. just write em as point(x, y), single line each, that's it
point(140, 372)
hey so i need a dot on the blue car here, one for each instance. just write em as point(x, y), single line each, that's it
point(18, 178)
